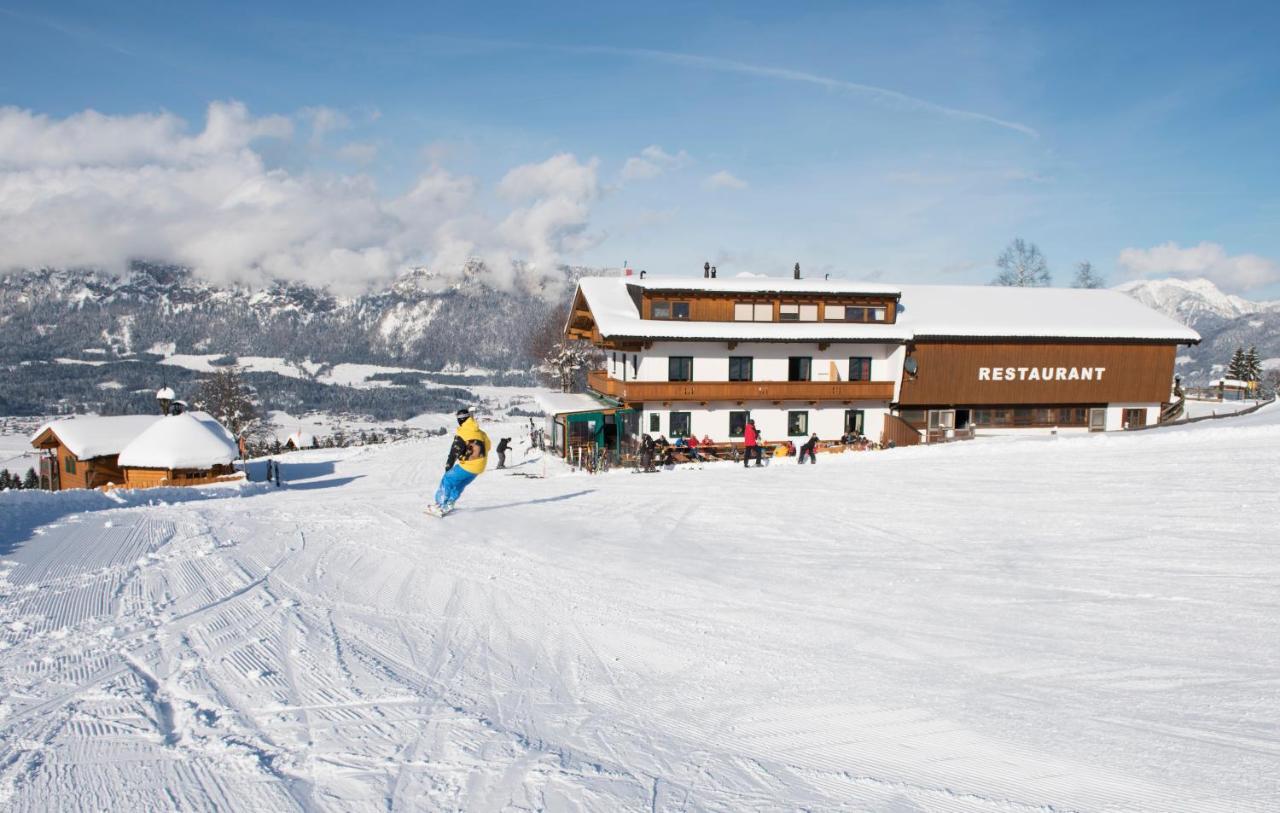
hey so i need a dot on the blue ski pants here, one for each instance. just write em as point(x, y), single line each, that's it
point(452, 485)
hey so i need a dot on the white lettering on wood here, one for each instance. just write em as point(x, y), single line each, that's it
point(984, 373)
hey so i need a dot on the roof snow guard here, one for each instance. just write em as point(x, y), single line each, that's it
point(924, 312)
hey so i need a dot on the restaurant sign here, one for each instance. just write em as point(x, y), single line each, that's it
point(1041, 373)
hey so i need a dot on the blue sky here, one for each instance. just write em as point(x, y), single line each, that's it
point(907, 142)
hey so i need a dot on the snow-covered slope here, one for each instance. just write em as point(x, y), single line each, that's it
point(901, 630)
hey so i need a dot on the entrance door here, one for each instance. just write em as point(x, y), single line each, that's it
point(1135, 418)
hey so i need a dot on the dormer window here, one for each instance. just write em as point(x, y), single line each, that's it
point(663, 309)
point(854, 313)
point(797, 313)
point(753, 312)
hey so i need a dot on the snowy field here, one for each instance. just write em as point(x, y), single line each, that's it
point(1086, 623)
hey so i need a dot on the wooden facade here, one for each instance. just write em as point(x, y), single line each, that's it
point(954, 373)
point(151, 478)
point(702, 391)
point(717, 306)
point(69, 471)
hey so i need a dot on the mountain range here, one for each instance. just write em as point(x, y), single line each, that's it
point(111, 334)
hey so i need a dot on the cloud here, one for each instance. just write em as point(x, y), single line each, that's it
point(358, 152)
point(652, 162)
point(724, 180)
point(324, 120)
point(882, 96)
point(96, 190)
point(1241, 272)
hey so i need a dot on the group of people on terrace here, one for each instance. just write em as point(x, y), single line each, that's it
point(660, 452)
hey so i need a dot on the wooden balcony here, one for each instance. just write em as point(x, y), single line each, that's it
point(641, 391)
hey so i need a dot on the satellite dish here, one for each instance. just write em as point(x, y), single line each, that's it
point(910, 366)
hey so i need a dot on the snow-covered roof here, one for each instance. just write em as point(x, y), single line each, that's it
point(301, 440)
point(90, 436)
point(616, 315)
point(759, 285)
point(1229, 382)
point(563, 403)
point(962, 311)
point(992, 311)
point(180, 442)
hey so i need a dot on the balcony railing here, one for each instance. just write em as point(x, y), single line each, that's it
point(639, 391)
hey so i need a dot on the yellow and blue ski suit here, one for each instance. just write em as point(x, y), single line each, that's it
point(467, 459)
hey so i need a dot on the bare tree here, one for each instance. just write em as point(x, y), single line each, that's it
point(1022, 266)
point(561, 360)
point(1087, 277)
point(225, 396)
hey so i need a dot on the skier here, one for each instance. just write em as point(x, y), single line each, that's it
point(646, 454)
point(810, 446)
point(503, 445)
point(467, 458)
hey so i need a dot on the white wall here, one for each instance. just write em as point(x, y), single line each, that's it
point(711, 360)
point(1115, 414)
point(826, 419)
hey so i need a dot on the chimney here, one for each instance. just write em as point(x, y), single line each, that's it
point(713, 272)
point(706, 270)
point(641, 273)
point(797, 271)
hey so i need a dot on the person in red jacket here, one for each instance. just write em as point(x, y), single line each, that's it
point(751, 440)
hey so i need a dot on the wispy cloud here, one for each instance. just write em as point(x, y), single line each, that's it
point(883, 96)
point(652, 162)
point(724, 180)
point(1239, 272)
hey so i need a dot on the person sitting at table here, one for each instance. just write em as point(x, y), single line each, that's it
point(692, 445)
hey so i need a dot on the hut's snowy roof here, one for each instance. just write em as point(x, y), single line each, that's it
point(90, 436)
point(301, 440)
point(761, 284)
point(192, 440)
point(567, 403)
point(960, 311)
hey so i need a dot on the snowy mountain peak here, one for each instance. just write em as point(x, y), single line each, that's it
point(1192, 300)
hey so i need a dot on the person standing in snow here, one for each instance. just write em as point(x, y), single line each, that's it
point(751, 444)
point(467, 458)
point(503, 445)
point(810, 446)
point(646, 453)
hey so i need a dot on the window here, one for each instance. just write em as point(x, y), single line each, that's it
point(1134, 418)
point(680, 422)
point(752, 312)
point(660, 310)
point(635, 364)
point(860, 368)
point(69, 465)
point(857, 313)
point(788, 313)
point(808, 313)
point(798, 368)
point(738, 423)
point(878, 314)
point(740, 368)
point(797, 423)
point(679, 310)
point(655, 424)
point(613, 365)
point(680, 368)
point(854, 422)
point(833, 313)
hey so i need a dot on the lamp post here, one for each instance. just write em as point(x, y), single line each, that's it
point(165, 395)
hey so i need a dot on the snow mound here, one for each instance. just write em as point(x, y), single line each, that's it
point(91, 436)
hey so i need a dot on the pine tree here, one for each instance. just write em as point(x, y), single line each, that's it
point(1236, 369)
point(1022, 266)
point(32, 479)
point(1252, 365)
point(1086, 277)
point(4, 480)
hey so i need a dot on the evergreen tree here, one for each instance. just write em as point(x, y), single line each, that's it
point(32, 479)
point(1236, 369)
point(1252, 365)
point(1086, 277)
point(4, 480)
point(1022, 266)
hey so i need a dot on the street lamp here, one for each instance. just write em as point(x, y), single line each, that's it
point(165, 395)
